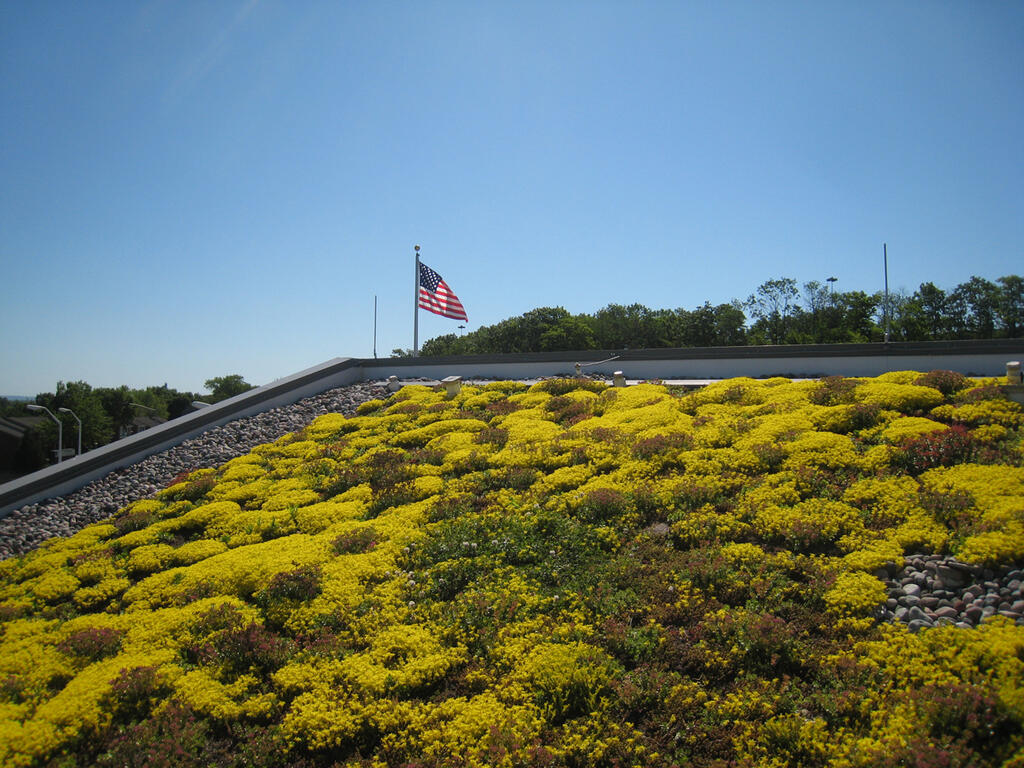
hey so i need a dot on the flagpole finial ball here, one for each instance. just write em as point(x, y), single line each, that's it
point(416, 247)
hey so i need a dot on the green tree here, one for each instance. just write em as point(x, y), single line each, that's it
point(907, 318)
point(854, 323)
point(700, 327)
point(534, 324)
point(779, 316)
point(934, 308)
point(518, 334)
point(180, 404)
point(116, 402)
point(773, 306)
point(816, 321)
point(160, 399)
point(980, 299)
point(621, 327)
point(224, 387)
point(569, 333)
point(730, 325)
point(665, 328)
point(87, 405)
point(449, 344)
point(1010, 306)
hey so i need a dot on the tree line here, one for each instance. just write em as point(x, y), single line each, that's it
point(780, 311)
point(106, 414)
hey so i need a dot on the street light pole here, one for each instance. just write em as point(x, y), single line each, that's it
point(68, 410)
point(60, 429)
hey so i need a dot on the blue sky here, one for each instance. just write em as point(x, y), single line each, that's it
point(194, 189)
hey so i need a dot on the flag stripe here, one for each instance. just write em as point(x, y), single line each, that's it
point(435, 296)
point(442, 299)
point(450, 309)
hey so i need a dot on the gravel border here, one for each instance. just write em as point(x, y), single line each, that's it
point(932, 590)
point(26, 528)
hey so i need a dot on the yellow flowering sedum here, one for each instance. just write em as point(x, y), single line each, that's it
point(855, 593)
point(563, 574)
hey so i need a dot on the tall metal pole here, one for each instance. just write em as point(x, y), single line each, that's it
point(416, 309)
point(885, 262)
point(375, 326)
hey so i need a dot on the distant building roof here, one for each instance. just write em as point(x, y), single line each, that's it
point(17, 426)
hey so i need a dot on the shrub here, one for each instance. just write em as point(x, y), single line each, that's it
point(493, 435)
point(566, 410)
point(286, 591)
point(251, 648)
point(516, 478)
point(947, 382)
point(191, 490)
point(502, 408)
point(134, 520)
point(455, 506)
point(391, 496)
point(329, 480)
point(173, 738)
point(135, 691)
point(949, 507)
point(386, 468)
point(301, 584)
point(957, 726)
point(602, 505)
point(934, 449)
point(221, 617)
point(92, 643)
point(356, 541)
point(833, 390)
point(558, 387)
point(980, 394)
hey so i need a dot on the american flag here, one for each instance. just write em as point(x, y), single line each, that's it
point(437, 297)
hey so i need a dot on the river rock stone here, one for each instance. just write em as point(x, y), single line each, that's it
point(916, 614)
point(979, 593)
point(952, 577)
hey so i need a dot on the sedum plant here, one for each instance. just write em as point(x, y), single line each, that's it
point(565, 574)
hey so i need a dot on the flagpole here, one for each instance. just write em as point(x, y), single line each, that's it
point(416, 309)
point(885, 262)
